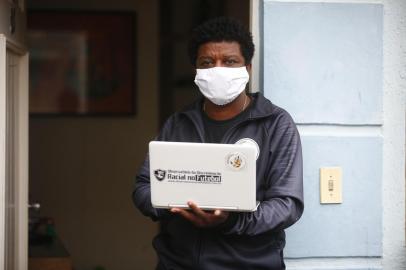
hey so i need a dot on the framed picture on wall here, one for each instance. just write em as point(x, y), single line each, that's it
point(82, 63)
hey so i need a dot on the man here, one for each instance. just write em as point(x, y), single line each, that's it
point(221, 50)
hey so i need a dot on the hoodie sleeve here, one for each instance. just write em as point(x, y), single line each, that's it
point(283, 203)
point(141, 194)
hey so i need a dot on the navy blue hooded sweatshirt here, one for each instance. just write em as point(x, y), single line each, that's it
point(252, 240)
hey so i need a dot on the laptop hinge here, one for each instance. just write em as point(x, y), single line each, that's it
point(205, 207)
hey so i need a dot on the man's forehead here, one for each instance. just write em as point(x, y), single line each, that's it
point(231, 47)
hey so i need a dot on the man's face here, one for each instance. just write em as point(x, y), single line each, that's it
point(220, 54)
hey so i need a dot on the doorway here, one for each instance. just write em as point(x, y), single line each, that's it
point(82, 168)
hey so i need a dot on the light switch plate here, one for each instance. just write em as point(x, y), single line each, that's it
point(331, 185)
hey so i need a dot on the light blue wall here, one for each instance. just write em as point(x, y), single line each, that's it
point(323, 61)
point(352, 268)
point(354, 227)
point(323, 64)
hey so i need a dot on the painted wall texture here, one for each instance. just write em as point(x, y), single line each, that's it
point(339, 69)
point(354, 227)
point(324, 61)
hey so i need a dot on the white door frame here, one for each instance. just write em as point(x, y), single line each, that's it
point(21, 151)
point(255, 28)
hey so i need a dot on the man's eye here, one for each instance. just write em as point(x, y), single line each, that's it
point(230, 62)
point(205, 63)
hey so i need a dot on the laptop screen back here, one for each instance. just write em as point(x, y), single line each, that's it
point(214, 176)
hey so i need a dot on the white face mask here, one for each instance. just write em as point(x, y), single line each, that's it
point(221, 85)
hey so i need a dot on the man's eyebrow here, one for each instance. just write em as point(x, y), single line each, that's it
point(204, 58)
point(232, 55)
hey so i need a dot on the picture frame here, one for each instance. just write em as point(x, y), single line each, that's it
point(82, 63)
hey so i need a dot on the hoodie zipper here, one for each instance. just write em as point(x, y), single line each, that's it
point(200, 233)
point(199, 248)
point(200, 240)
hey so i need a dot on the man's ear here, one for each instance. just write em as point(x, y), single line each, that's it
point(249, 67)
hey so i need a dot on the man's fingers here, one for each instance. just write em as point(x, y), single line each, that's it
point(197, 210)
point(200, 217)
point(187, 215)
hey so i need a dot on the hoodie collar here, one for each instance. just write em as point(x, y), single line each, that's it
point(262, 107)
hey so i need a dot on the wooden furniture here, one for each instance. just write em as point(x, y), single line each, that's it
point(49, 256)
point(63, 263)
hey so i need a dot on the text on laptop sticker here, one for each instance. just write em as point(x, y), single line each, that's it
point(187, 176)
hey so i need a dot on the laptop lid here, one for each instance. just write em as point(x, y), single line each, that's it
point(214, 176)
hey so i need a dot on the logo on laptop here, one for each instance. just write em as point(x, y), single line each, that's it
point(160, 174)
point(236, 161)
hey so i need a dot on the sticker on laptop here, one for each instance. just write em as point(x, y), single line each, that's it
point(251, 142)
point(188, 176)
point(235, 161)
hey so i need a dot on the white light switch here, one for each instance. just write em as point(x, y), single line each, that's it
point(331, 185)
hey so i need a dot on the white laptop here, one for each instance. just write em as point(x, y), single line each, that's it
point(214, 176)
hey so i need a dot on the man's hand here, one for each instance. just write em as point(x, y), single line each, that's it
point(201, 218)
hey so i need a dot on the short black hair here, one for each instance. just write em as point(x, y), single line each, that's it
point(221, 29)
